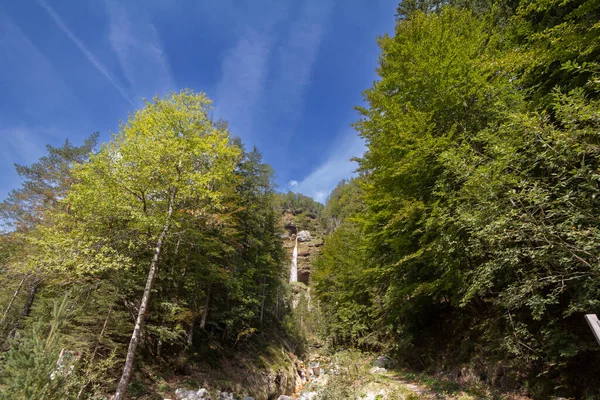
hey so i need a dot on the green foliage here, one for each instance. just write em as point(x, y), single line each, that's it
point(342, 284)
point(470, 239)
point(221, 268)
point(351, 373)
point(298, 203)
point(480, 193)
point(555, 45)
point(45, 183)
point(29, 370)
point(344, 201)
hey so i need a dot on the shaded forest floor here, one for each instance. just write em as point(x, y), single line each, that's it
point(262, 367)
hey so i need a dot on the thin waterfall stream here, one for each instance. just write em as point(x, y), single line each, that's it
point(294, 271)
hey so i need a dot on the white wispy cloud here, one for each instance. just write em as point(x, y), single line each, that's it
point(21, 144)
point(86, 52)
point(292, 184)
point(36, 87)
point(297, 56)
point(322, 180)
point(240, 89)
point(137, 44)
point(268, 71)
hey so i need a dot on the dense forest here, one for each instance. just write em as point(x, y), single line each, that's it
point(467, 243)
point(169, 228)
point(470, 240)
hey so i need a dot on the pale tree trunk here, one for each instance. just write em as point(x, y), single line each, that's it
point(205, 310)
point(10, 303)
point(141, 317)
point(190, 332)
point(277, 306)
point(26, 308)
point(262, 304)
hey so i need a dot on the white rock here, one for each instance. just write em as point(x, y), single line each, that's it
point(181, 393)
point(226, 396)
point(184, 394)
point(303, 236)
point(378, 370)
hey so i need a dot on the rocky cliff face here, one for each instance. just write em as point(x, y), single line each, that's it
point(310, 239)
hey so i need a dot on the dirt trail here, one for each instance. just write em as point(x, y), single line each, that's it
point(421, 391)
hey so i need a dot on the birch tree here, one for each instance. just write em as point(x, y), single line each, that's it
point(168, 163)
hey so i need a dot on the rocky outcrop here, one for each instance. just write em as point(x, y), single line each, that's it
point(304, 236)
point(203, 394)
point(302, 379)
point(308, 248)
point(185, 394)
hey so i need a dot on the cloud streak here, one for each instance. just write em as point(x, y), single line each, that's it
point(267, 72)
point(297, 56)
point(240, 90)
point(139, 49)
point(338, 166)
point(84, 50)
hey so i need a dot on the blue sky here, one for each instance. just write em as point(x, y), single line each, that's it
point(285, 74)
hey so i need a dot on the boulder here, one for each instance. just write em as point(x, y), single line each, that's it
point(383, 362)
point(285, 397)
point(181, 394)
point(184, 394)
point(303, 236)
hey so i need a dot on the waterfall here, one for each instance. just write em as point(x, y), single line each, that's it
point(294, 271)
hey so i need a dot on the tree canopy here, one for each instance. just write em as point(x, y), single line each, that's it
point(478, 242)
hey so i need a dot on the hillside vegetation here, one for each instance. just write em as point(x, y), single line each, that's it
point(466, 248)
point(161, 245)
point(469, 243)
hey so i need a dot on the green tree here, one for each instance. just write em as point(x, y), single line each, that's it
point(344, 201)
point(30, 371)
point(169, 163)
point(45, 183)
point(479, 190)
